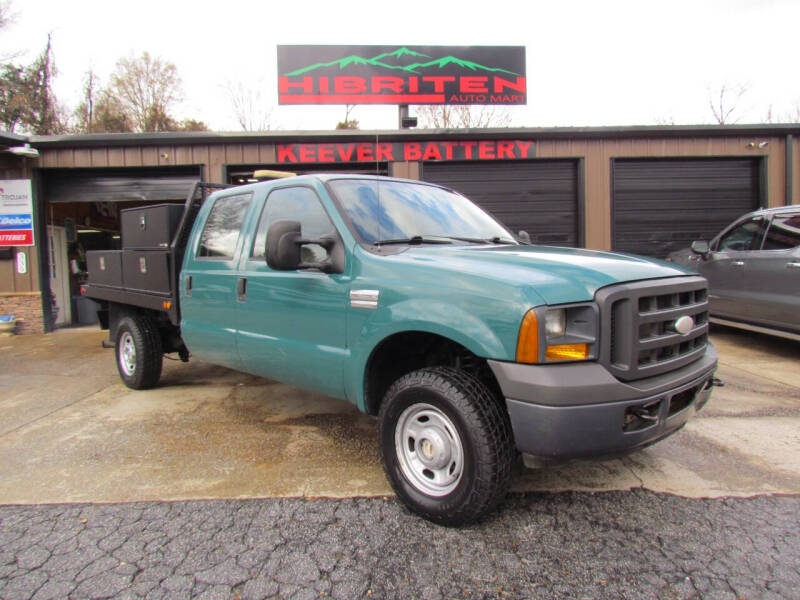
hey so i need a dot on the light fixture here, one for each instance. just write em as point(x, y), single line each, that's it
point(24, 150)
point(763, 144)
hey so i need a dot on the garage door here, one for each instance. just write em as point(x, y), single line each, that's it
point(119, 185)
point(662, 205)
point(539, 196)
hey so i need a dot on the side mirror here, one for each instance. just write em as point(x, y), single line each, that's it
point(700, 247)
point(523, 237)
point(283, 249)
point(285, 242)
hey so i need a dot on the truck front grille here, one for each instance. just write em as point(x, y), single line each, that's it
point(638, 336)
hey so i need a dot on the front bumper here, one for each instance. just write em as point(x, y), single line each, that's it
point(572, 410)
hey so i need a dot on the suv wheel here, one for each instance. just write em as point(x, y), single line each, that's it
point(446, 445)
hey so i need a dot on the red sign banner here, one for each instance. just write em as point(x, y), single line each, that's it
point(335, 152)
point(401, 75)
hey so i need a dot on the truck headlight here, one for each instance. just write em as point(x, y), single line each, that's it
point(558, 334)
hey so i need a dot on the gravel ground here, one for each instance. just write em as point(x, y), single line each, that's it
point(572, 545)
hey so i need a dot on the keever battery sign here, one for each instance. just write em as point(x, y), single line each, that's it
point(16, 212)
point(401, 75)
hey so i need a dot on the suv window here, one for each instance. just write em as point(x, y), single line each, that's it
point(223, 226)
point(783, 233)
point(746, 236)
point(295, 204)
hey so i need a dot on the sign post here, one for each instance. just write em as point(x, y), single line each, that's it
point(16, 213)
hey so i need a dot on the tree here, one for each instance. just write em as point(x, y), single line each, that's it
point(148, 89)
point(725, 104)
point(249, 107)
point(452, 116)
point(26, 96)
point(348, 123)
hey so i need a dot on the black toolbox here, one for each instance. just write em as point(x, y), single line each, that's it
point(150, 227)
point(146, 271)
point(104, 267)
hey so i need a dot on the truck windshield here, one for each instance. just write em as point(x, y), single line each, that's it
point(394, 211)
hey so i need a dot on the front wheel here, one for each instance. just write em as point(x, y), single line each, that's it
point(138, 351)
point(446, 445)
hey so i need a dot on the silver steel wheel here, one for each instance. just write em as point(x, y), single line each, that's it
point(429, 450)
point(127, 354)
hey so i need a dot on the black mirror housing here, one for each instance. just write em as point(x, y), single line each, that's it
point(700, 247)
point(283, 249)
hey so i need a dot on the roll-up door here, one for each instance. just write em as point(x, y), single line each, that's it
point(539, 196)
point(119, 185)
point(662, 205)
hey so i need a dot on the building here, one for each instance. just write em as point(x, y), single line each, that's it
point(646, 190)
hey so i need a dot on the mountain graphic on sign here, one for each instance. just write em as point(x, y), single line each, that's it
point(380, 61)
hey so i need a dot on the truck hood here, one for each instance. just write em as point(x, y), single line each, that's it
point(556, 275)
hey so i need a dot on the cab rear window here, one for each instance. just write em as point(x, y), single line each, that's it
point(223, 227)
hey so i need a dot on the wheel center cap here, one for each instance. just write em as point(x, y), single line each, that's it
point(434, 449)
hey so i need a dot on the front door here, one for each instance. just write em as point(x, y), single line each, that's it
point(292, 324)
point(59, 275)
point(208, 282)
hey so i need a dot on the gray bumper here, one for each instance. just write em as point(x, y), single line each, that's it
point(572, 410)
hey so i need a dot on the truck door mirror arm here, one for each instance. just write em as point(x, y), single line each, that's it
point(284, 241)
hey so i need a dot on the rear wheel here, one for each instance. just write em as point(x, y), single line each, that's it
point(138, 351)
point(446, 445)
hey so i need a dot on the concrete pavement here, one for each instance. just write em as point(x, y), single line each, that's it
point(71, 432)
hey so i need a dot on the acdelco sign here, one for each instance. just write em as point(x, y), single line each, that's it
point(405, 75)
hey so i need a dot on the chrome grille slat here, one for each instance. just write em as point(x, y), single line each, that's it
point(636, 319)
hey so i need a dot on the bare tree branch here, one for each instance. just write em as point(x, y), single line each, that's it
point(724, 107)
point(249, 107)
point(449, 116)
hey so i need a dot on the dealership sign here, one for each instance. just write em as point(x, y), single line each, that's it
point(16, 212)
point(400, 151)
point(401, 75)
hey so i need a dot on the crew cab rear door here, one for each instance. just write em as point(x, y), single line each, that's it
point(209, 280)
point(292, 324)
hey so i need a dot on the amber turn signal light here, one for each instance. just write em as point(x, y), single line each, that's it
point(528, 341)
point(567, 352)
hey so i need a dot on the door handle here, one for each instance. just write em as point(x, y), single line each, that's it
point(793, 265)
point(241, 289)
point(189, 285)
point(737, 263)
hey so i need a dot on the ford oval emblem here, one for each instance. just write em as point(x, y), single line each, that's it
point(684, 324)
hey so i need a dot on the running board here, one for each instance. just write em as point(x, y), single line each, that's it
point(756, 328)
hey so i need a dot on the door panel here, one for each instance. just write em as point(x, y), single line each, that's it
point(208, 303)
point(292, 324)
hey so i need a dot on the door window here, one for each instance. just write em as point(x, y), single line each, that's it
point(783, 233)
point(746, 236)
point(223, 226)
point(295, 204)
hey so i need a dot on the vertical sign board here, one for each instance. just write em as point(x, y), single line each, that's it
point(401, 75)
point(16, 212)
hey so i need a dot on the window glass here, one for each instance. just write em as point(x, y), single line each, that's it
point(394, 210)
point(783, 233)
point(746, 236)
point(223, 226)
point(295, 204)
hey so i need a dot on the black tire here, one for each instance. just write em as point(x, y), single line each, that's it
point(142, 369)
point(483, 429)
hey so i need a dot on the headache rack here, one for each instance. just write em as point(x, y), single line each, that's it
point(145, 272)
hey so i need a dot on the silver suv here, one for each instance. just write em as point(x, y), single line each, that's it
point(753, 271)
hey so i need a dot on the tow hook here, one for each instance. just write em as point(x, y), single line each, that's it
point(717, 382)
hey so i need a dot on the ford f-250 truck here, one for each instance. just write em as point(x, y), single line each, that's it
point(410, 301)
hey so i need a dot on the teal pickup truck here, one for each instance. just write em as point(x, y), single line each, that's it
point(408, 300)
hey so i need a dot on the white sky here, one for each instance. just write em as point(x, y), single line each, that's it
point(601, 62)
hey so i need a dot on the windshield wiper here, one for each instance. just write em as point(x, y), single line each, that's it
point(494, 240)
point(413, 240)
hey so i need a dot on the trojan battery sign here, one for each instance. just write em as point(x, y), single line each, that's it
point(404, 75)
point(16, 212)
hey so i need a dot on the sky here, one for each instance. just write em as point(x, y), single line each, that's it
point(589, 63)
